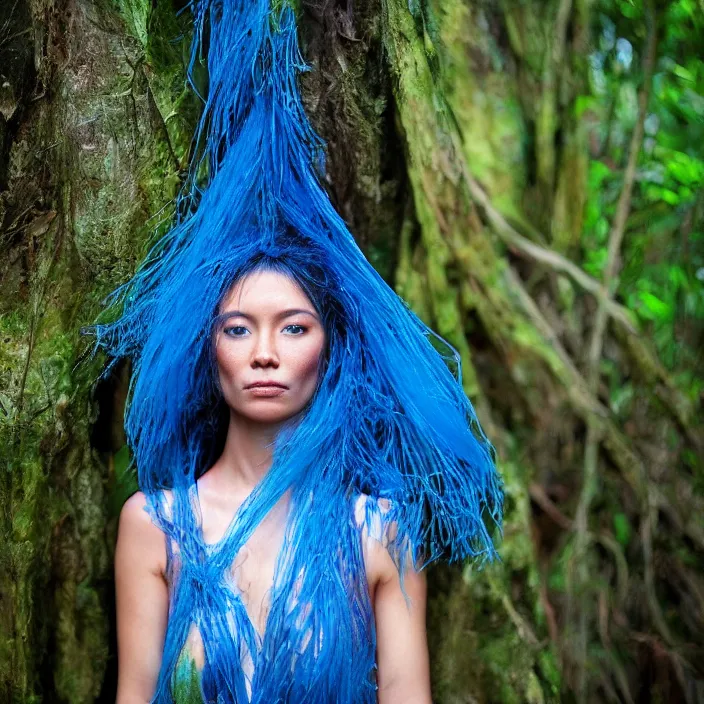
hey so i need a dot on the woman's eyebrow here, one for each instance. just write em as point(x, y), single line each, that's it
point(296, 311)
point(280, 316)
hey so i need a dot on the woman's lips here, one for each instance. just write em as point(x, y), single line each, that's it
point(266, 391)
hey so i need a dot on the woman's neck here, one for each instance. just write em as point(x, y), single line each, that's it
point(247, 454)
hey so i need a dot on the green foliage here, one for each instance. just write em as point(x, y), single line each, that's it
point(622, 528)
point(662, 277)
point(124, 480)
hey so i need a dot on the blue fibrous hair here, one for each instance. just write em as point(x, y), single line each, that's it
point(388, 419)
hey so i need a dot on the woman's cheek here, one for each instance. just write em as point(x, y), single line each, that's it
point(307, 362)
point(229, 371)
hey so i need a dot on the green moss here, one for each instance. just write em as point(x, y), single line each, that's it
point(572, 187)
point(81, 629)
point(167, 55)
point(136, 14)
point(114, 161)
point(481, 94)
point(456, 668)
point(346, 97)
point(435, 274)
point(278, 5)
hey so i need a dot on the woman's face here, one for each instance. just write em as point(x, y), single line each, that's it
point(269, 345)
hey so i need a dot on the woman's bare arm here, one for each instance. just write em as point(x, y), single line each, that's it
point(142, 601)
point(402, 647)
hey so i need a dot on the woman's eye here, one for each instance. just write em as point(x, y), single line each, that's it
point(235, 330)
point(296, 329)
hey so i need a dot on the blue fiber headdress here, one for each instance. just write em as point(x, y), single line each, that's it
point(388, 419)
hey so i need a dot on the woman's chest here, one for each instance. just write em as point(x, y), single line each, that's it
point(286, 600)
point(252, 572)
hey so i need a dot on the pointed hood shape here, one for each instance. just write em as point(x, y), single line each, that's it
point(388, 419)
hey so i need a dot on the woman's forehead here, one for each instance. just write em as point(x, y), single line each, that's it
point(265, 291)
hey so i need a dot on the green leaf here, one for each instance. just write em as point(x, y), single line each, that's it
point(653, 308)
point(678, 277)
point(556, 581)
point(670, 196)
point(683, 73)
point(583, 103)
point(598, 172)
point(686, 169)
point(622, 529)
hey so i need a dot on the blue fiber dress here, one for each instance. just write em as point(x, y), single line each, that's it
point(319, 649)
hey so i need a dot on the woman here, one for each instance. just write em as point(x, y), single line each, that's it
point(274, 552)
point(268, 332)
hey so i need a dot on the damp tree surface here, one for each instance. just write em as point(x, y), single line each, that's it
point(527, 174)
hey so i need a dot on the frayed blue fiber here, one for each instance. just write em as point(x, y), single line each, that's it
point(388, 420)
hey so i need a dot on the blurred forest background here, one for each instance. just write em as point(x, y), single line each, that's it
point(528, 175)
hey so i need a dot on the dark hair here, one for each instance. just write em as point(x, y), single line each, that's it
point(304, 267)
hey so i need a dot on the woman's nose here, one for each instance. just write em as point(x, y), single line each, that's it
point(264, 353)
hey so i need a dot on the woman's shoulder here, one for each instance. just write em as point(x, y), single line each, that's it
point(140, 509)
point(139, 532)
point(374, 519)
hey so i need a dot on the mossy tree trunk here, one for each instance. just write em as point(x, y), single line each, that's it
point(95, 123)
point(458, 155)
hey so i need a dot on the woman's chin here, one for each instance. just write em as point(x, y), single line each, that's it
point(268, 416)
